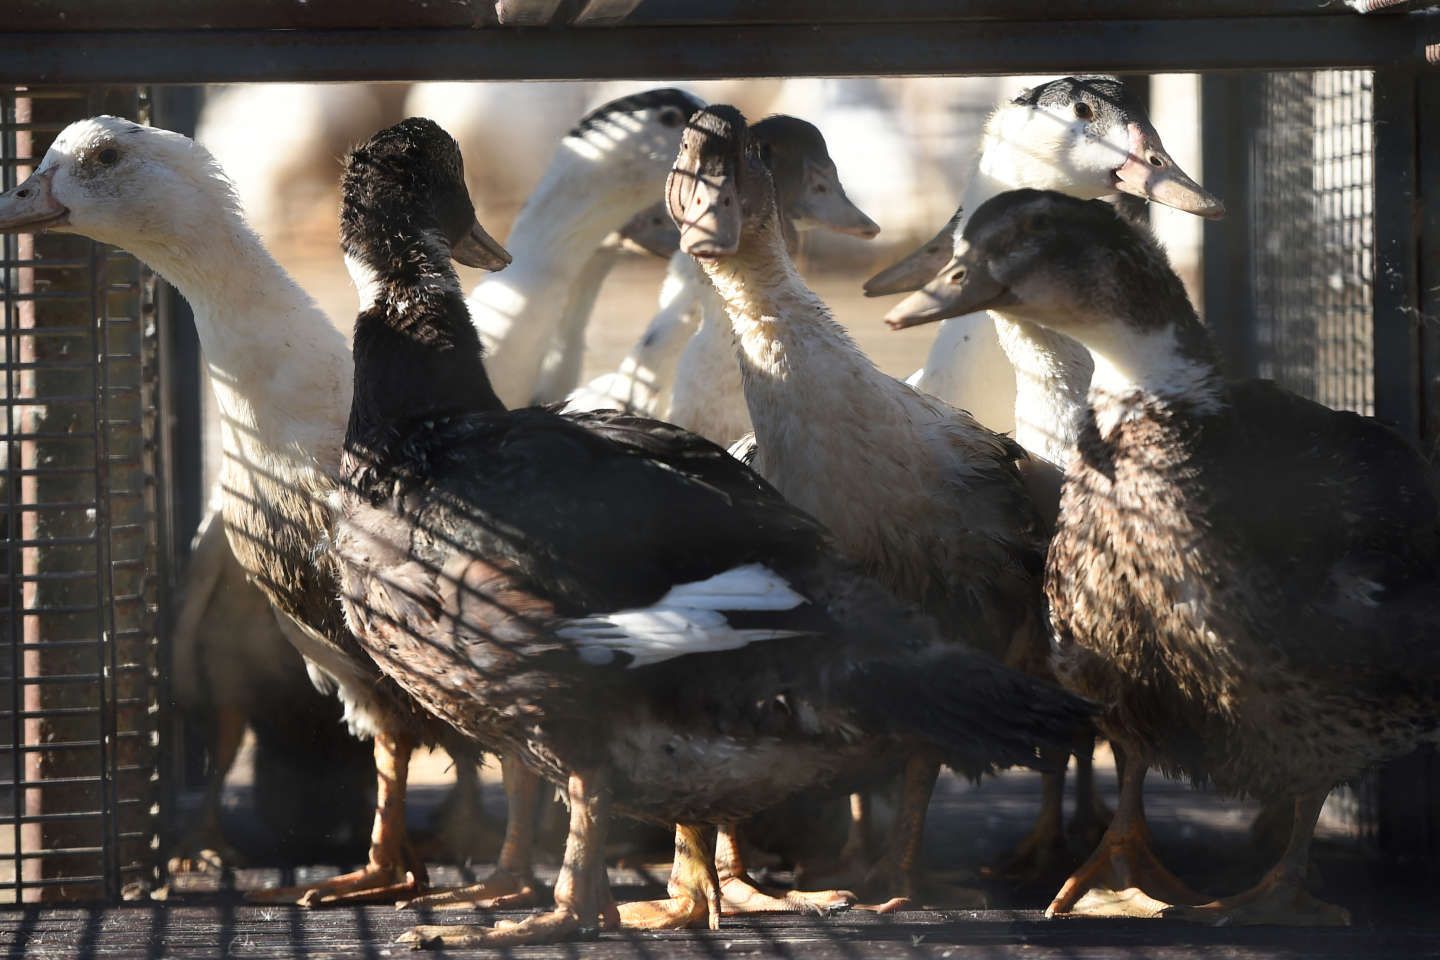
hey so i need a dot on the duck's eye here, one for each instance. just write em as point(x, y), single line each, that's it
point(821, 188)
point(670, 117)
point(1083, 111)
point(108, 156)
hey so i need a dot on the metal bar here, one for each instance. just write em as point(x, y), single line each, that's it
point(1227, 122)
point(1396, 291)
point(64, 15)
point(877, 48)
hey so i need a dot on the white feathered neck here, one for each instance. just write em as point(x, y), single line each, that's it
point(281, 372)
point(1051, 371)
point(518, 311)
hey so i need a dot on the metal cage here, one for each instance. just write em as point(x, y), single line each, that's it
point(1313, 281)
point(80, 644)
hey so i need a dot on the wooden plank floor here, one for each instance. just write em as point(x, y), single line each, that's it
point(1396, 907)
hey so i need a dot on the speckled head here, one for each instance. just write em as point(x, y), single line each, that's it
point(1098, 135)
point(408, 181)
point(1058, 261)
point(716, 166)
point(807, 184)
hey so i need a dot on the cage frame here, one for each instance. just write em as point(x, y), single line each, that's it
point(154, 43)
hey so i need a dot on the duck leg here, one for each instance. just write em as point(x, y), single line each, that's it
point(694, 888)
point(204, 848)
point(1043, 848)
point(898, 875)
point(1092, 816)
point(1123, 877)
point(1280, 897)
point(852, 863)
point(461, 831)
point(512, 883)
point(392, 871)
point(580, 910)
point(740, 895)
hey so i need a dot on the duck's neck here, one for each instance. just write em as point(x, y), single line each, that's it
point(578, 202)
point(1052, 380)
point(794, 359)
point(1052, 371)
point(417, 356)
point(279, 369)
point(658, 352)
point(1144, 368)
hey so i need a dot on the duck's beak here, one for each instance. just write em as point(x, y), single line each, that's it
point(31, 206)
point(1150, 172)
point(826, 205)
point(478, 249)
point(913, 272)
point(962, 287)
point(710, 221)
point(651, 231)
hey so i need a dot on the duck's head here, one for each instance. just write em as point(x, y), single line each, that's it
point(1056, 260)
point(718, 185)
point(915, 270)
point(1088, 136)
point(634, 138)
point(118, 182)
point(408, 182)
point(651, 231)
point(807, 185)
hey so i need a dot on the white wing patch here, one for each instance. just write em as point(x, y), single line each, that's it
point(690, 618)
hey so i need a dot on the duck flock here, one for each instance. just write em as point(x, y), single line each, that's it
point(748, 566)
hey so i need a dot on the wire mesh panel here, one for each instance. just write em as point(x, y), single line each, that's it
point(79, 641)
point(1312, 204)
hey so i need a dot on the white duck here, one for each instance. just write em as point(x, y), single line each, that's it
point(610, 166)
point(281, 374)
point(641, 385)
point(1084, 136)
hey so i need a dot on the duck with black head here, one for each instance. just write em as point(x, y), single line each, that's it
point(1248, 582)
point(619, 604)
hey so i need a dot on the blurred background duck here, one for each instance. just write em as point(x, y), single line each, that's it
point(608, 168)
point(1246, 580)
point(634, 613)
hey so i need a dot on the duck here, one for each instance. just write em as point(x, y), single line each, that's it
point(687, 372)
point(649, 232)
point(708, 397)
point(232, 670)
point(163, 198)
point(609, 167)
point(916, 492)
point(620, 604)
point(641, 384)
point(1248, 582)
point(1087, 136)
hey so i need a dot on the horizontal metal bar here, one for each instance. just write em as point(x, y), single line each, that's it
point(49, 712)
point(46, 263)
point(52, 882)
point(56, 817)
point(60, 852)
point(55, 542)
point(56, 576)
point(882, 48)
point(65, 15)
